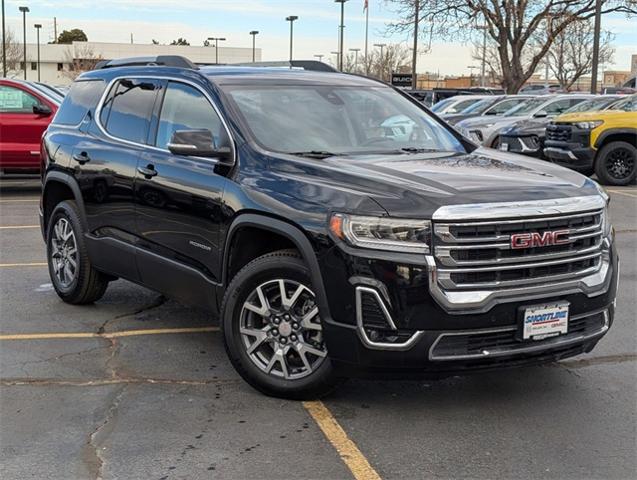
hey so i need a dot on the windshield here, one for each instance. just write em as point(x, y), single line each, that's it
point(480, 106)
point(592, 105)
point(334, 120)
point(460, 107)
point(441, 105)
point(526, 107)
point(627, 105)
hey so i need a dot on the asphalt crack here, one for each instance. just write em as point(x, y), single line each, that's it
point(95, 458)
point(157, 302)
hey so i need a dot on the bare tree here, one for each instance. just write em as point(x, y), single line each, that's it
point(514, 25)
point(568, 57)
point(395, 58)
point(80, 58)
point(14, 53)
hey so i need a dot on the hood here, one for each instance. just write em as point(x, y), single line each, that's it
point(588, 116)
point(535, 126)
point(417, 185)
point(488, 121)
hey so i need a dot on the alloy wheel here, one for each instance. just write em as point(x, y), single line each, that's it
point(281, 330)
point(620, 163)
point(64, 257)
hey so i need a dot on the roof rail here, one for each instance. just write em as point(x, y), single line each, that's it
point(158, 60)
point(312, 65)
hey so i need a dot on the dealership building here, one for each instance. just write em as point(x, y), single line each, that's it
point(60, 64)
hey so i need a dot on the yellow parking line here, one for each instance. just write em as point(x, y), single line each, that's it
point(124, 333)
point(620, 192)
point(32, 264)
point(15, 227)
point(346, 448)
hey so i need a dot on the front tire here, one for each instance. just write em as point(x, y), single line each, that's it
point(72, 275)
point(615, 164)
point(272, 328)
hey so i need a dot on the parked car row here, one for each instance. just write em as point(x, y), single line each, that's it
point(523, 128)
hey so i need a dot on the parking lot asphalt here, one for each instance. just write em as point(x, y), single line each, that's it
point(138, 386)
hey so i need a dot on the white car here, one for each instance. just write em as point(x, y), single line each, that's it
point(485, 130)
point(456, 104)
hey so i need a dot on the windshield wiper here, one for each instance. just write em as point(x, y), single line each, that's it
point(315, 154)
point(418, 150)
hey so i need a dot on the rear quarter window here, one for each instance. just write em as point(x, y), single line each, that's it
point(82, 96)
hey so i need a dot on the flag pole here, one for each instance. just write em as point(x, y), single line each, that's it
point(366, 35)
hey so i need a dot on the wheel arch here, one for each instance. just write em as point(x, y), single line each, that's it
point(293, 237)
point(628, 135)
point(59, 186)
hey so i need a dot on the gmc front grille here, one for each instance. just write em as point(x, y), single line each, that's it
point(478, 255)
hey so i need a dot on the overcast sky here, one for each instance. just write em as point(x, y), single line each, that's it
point(315, 32)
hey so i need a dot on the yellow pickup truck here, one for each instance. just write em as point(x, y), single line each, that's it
point(603, 142)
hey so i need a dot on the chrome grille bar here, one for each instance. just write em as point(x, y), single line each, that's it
point(482, 255)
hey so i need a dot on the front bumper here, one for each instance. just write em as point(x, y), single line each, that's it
point(428, 325)
point(570, 155)
point(530, 145)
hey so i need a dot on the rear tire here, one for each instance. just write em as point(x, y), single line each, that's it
point(272, 329)
point(615, 164)
point(72, 275)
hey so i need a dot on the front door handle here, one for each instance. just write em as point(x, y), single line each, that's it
point(81, 158)
point(147, 171)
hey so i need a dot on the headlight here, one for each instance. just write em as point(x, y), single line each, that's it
point(606, 223)
point(589, 125)
point(382, 233)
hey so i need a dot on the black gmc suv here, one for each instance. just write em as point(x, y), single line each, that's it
point(334, 224)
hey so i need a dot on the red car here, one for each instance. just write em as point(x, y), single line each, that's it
point(26, 109)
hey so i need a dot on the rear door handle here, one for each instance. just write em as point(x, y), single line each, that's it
point(148, 171)
point(81, 158)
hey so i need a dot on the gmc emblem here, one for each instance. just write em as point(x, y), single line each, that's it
point(545, 239)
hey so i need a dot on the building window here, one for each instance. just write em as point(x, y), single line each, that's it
point(21, 65)
point(34, 65)
point(60, 67)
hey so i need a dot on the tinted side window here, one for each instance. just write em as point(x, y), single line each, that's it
point(82, 96)
point(503, 106)
point(186, 108)
point(561, 106)
point(126, 112)
point(15, 100)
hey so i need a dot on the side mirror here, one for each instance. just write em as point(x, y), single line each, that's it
point(198, 143)
point(42, 109)
point(541, 114)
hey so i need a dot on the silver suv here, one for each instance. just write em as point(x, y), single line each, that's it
point(485, 130)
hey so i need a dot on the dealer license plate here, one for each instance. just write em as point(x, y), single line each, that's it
point(544, 321)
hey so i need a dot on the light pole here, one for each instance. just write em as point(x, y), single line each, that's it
point(254, 34)
point(342, 31)
point(320, 57)
point(4, 46)
point(217, 40)
point(335, 53)
point(414, 58)
point(37, 29)
point(355, 50)
point(381, 61)
point(483, 78)
point(471, 69)
point(291, 19)
point(24, 11)
point(597, 27)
